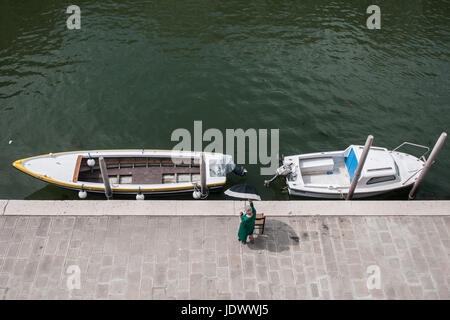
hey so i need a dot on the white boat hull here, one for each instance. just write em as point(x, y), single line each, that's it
point(358, 195)
point(328, 175)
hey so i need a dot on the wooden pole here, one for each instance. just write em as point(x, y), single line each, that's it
point(203, 187)
point(437, 147)
point(104, 172)
point(361, 162)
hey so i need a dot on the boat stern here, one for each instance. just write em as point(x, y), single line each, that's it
point(291, 170)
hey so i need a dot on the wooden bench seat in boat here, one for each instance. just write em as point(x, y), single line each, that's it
point(77, 168)
point(140, 175)
point(316, 165)
point(147, 161)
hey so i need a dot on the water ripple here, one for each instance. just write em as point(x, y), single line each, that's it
point(137, 70)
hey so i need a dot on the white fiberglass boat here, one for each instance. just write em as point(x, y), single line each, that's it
point(131, 171)
point(330, 174)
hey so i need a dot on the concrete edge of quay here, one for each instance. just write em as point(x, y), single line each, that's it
point(221, 208)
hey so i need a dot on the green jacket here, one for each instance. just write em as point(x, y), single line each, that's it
point(247, 225)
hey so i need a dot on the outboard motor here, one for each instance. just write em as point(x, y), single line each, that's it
point(282, 171)
point(230, 166)
point(240, 171)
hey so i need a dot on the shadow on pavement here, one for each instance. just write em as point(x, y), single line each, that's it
point(278, 236)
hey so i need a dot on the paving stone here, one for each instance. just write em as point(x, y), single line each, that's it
point(273, 263)
point(105, 274)
point(118, 287)
point(285, 262)
point(195, 255)
point(102, 291)
point(416, 292)
point(290, 293)
point(30, 270)
point(394, 263)
point(308, 259)
point(146, 288)
point(134, 277)
point(9, 221)
point(300, 278)
point(349, 244)
point(4, 245)
point(38, 246)
point(210, 288)
point(360, 288)
point(18, 235)
point(4, 280)
point(274, 277)
point(251, 295)
point(196, 267)
point(376, 294)
point(236, 279)
point(316, 247)
point(222, 261)
point(44, 226)
point(118, 272)
point(249, 267)
point(287, 277)
point(302, 292)
point(356, 271)
point(250, 285)
point(235, 261)
point(324, 284)
point(133, 290)
point(314, 290)
point(264, 291)
point(196, 286)
point(261, 273)
point(41, 281)
point(431, 295)
point(62, 248)
point(210, 269)
point(427, 282)
point(209, 256)
point(107, 260)
point(19, 267)
point(310, 273)
point(161, 274)
point(135, 263)
point(222, 272)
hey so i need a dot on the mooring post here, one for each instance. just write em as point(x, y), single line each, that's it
point(104, 172)
point(437, 147)
point(361, 162)
point(203, 187)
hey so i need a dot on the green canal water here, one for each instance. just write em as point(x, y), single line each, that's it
point(137, 70)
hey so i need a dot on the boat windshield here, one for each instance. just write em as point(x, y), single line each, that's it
point(220, 167)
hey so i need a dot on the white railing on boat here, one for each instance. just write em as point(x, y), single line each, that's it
point(416, 172)
point(415, 145)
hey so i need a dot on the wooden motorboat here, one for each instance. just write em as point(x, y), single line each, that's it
point(131, 171)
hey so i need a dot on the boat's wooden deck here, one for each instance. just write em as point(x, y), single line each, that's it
point(140, 175)
point(140, 170)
